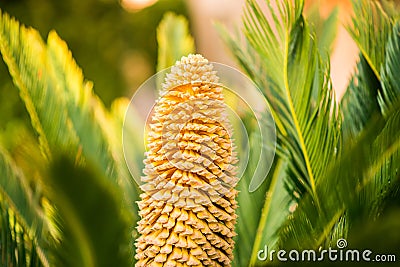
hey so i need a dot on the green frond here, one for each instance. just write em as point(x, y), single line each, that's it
point(118, 112)
point(390, 71)
point(67, 116)
point(86, 113)
point(385, 168)
point(94, 226)
point(23, 225)
point(349, 185)
point(376, 193)
point(251, 202)
point(302, 100)
point(174, 40)
point(24, 52)
point(130, 188)
point(370, 29)
point(64, 111)
point(16, 248)
point(282, 57)
point(325, 29)
point(277, 206)
point(359, 103)
point(373, 95)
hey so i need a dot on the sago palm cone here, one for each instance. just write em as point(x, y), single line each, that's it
point(188, 206)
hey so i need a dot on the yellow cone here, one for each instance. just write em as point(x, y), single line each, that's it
point(188, 206)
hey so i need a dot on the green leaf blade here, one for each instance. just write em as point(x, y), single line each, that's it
point(390, 70)
point(174, 40)
point(370, 29)
point(28, 217)
point(24, 52)
point(64, 111)
point(283, 58)
point(94, 227)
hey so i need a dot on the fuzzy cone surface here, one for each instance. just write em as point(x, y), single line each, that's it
point(188, 206)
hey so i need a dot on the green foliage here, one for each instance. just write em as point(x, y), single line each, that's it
point(16, 250)
point(346, 187)
point(174, 40)
point(300, 111)
point(390, 78)
point(277, 206)
point(16, 192)
point(371, 98)
point(94, 228)
point(302, 102)
point(105, 38)
point(370, 29)
point(331, 184)
point(325, 29)
point(69, 119)
point(21, 220)
point(249, 210)
point(370, 20)
point(360, 101)
point(67, 198)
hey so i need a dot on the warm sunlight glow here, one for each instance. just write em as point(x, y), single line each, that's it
point(135, 5)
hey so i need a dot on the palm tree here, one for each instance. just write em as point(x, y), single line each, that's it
point(337, 164)
point(67, 197)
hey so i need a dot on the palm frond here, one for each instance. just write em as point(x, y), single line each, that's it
point(390, 78)
point(250, 207)
point(359, 103)
point(388, 99)
point(355, 187)
point(300, 110)
point(94, 226)
point(23, 225)
point(277, 206)
point(370, 95)
point(345, 185)
point(63, 109)
point(122, 128)
point(325, 29)
point(174, 40)
point(370, 29)
point(282, 58)
point(25, 54)
point(84, 110)
point(16, 248)
point(67, 116)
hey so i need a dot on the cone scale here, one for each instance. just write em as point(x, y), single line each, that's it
point(188, 204)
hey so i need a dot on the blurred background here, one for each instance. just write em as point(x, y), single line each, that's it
point(114, 42)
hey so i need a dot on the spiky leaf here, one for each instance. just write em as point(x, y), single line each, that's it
point(174, 40)
point(289, 70)
point(23, 226)
point(94, 226)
